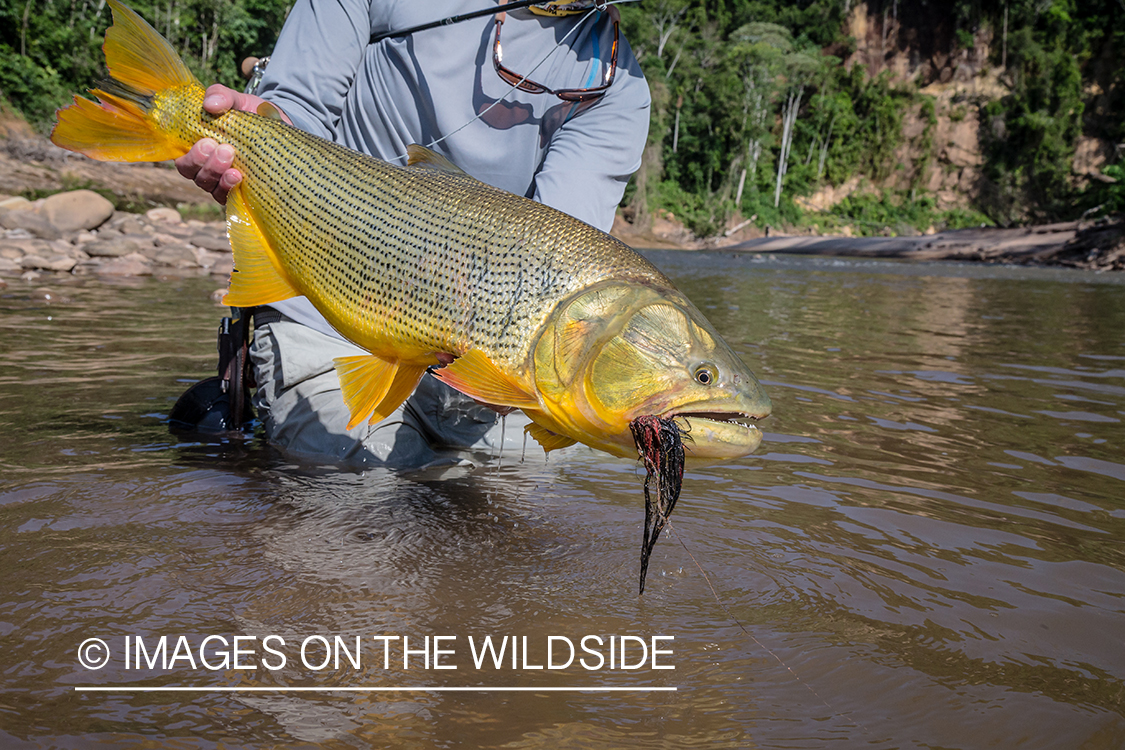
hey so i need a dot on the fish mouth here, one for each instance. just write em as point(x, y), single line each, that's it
point(739, 418)
point(719, 435)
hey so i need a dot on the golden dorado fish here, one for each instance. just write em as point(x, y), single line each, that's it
point(520, 305)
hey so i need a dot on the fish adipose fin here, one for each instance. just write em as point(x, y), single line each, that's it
point(475, 375)
point(548, 440)
point(420, 156)
point(123, 127)
point(256, 280)
point(374, 387)
point(265, 109)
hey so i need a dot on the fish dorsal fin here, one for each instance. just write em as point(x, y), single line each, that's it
point(549, 440)
point(475, 375)
point(420, 156)
point(256, 280)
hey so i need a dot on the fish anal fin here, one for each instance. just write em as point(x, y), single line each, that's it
point(475, 375)
point(256, 279)
point(365, 381)
point(420, 156)
point(548, 440)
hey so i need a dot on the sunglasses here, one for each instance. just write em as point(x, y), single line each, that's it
point(568, 95)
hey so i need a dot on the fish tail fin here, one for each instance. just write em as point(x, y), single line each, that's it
point(123, 126)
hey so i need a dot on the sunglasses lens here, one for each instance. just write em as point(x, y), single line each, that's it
point(578, 95)
point(567, 95)
point(512, 79)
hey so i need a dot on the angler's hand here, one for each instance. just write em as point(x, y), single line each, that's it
point(208, 163)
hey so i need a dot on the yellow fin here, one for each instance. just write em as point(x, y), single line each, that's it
point(142, 67)
point(405, 380)
point(110, 133)
point(256, 279)
point(365, 381)
point(266, 109)
point(549, 440)
point(475, 375)
point(420, 156)
point(139, 57)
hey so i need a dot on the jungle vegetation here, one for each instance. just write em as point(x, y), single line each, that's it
point(755, 102)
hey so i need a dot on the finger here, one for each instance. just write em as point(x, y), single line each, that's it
point(218, 99)
point(227, 182)
point(190, 163)
point(211, 171)
point(218, 175)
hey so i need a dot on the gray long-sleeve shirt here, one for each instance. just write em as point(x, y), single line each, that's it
point(379, 98)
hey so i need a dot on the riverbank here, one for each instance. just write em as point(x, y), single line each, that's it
point(1096, 246)
point(81, 233)
point(171, 228)
point(1091, 245)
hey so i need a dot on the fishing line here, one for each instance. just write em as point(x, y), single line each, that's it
point(596, 9)
point(748, 634)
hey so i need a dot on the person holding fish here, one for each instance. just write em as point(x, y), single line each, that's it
point(381, 281)
point(557, 112)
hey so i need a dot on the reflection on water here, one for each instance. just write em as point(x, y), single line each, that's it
point(927, 550)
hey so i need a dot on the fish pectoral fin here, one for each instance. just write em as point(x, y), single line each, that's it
point(548, 440)
point(256, 279)
point(420, 156)
point(475, 375)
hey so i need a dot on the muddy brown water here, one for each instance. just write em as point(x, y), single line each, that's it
point(927, 551)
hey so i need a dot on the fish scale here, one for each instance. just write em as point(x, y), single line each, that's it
point(487, 281)
point(521, 305)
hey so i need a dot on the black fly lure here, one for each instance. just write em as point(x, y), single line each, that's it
point(661, 446)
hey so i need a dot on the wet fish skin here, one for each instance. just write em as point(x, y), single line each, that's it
point(423, 263)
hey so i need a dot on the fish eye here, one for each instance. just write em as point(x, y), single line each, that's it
point(706, 374)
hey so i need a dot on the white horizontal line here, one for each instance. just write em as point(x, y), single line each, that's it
point(379, 689)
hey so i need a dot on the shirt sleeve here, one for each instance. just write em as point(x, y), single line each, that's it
point(314, 64)
point(591, 157)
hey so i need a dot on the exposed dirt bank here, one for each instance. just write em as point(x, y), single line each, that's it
point(35, 164)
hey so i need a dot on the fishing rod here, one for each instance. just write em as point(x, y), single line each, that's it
point(454, 19)
point(516, 5)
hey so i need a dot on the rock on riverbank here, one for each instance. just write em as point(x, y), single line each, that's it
point(79, 232)
point(1098, 246)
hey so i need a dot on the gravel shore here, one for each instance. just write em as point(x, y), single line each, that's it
point(80, 233)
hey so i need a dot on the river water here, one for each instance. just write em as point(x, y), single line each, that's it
point(927, 551)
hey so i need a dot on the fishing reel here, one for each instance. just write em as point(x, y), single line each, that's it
point(221, 403)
